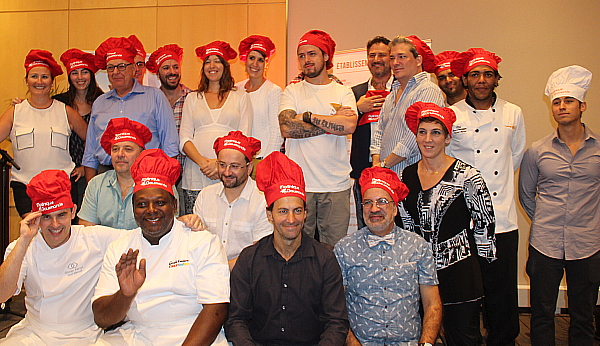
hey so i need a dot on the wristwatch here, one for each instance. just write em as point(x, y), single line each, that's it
point(382, 164)
point(425, 344)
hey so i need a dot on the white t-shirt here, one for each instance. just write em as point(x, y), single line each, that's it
point(60, 282)
point(185, 270)
point(238, 224)
point(324, 159)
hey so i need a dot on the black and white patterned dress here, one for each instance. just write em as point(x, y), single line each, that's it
point(455, 217)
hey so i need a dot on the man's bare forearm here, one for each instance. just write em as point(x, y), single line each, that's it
point(294, 128)
point(432, 317)
point(207, 325)
point(110, 310)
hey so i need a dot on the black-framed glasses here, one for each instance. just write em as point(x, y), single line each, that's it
point(380, 203)
point(121, 67)
point(140, 64)
point(232, 166)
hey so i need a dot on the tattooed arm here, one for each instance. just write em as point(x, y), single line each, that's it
point(342, 123)
point(291, 127)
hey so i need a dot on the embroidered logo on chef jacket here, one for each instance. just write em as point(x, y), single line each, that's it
point(73, 268)
point(459, 129)
point(179, 263)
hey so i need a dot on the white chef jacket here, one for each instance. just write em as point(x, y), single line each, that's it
point(493, 141)
point(59, 283)
point(185, 270)
point(239, 223)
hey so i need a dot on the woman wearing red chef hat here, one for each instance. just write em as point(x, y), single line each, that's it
point(212, 111)
point(83, 91)
point(39, 127)
point(450, 206)
point(256, 52)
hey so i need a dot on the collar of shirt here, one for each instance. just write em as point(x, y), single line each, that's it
point(388, 84)
point(246, 192)
point(587, 135)
point(494, 98)
point(136, 89)
point(304, 250)
point(112, 181)
point(374, 240)
point(414, 80)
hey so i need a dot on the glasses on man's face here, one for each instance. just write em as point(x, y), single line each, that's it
point(140, 64)
point(380, 203)
point(232, 166)
point(121, 67)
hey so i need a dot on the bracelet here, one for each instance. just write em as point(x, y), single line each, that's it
point(382, 164)
point(306, 117)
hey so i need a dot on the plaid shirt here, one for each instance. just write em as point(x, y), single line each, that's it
point(177, 110)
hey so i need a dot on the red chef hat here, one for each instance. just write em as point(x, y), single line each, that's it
point(50, 191)
point(383, 178)
point(153, 168)
point(162, 54)
point(74, 59)
point(420, 110)
point(278, 176)
point(39, 57)
point(425, 52)
point(122, 130)
point(443, 60)
point(139, 47)
point(220, 48)
point(323, 41)
point(114, 48)
point(248, 146)
point(256, 42)
point(465, 61)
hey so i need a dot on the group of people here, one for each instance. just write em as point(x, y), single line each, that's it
point(434, 185)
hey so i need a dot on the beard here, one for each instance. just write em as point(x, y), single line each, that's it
point(166, 85)
point(317, 71)
point(231, 184)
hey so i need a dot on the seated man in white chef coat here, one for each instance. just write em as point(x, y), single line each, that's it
point(59, 268)
point(177, 290)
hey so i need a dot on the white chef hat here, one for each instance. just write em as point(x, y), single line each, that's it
point(571, 81)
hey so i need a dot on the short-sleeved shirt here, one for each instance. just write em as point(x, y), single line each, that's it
point(324, 159)
point(382, 285)
point(239, 223)
point(60, 282)
point(143, 104)
point(185, 270)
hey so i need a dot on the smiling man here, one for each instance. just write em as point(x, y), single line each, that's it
point(315, 115)
point(387, 271)
point(173, 288)
point(235, 209)
point(129, 99)
point(559, 189)
point(287, 288)
point(393, 145)
point(489, 134)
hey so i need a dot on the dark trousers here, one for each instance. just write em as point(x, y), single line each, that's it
point(501, 302)
point(461, 323)
point(583, 280)
point(358, 201)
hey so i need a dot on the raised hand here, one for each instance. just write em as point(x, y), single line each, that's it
point(130, 277)
point(30, 225)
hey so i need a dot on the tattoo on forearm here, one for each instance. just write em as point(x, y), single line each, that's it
point(327, 124)
point(296, 128)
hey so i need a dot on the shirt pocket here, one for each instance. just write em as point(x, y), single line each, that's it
point(59, 137)
point(25, 137)
point(405, 281)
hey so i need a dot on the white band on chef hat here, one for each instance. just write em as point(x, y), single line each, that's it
point(573, 81)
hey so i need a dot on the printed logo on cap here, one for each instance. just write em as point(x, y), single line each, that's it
point(124, 135)
point(289, 188)
point(234, 143)
point(38, 63)
point(430, 113)
point(479, 60)
point(45, 206)
point(153, 181)
point(377, 181)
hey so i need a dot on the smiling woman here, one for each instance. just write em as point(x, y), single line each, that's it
point(39, 145)
point(211, 112)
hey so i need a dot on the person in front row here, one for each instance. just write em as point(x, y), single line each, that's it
point(59, 267)
point(287, 288)
point(387, 271)
point(235, 209)
point(173, 288)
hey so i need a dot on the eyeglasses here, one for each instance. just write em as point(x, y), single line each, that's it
point(121, 67)
point(140, 64)
point(380, 203)
point(232, 166)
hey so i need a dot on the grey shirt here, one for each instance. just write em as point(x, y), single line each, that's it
point(560, 193)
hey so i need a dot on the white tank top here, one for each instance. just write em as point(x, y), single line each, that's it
point(40, 140)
